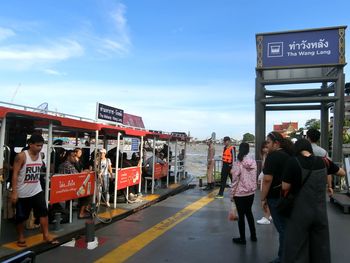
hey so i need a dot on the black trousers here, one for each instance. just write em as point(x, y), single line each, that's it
point(244, 209)
point(225, 172)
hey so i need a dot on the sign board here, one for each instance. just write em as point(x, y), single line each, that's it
point(71, 186)
point(135, 144)
point(131, 144)
point(181, 135)
point(109, 113)
point(133, 120)
point(307, 48)
point(128, 177)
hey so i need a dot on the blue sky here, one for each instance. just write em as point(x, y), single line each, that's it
point(184, 65)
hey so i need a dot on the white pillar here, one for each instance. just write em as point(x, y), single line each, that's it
point(154, 162)
point(48, 163)
point(168, 161)
point(116, 172)
point(140, 163)
point(2, 144)
point(175, 167)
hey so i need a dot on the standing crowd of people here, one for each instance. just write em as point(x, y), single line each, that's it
point(301, 172)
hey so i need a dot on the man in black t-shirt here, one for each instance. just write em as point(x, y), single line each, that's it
point(272, 181)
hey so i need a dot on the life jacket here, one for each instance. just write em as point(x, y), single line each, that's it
point(227, 155)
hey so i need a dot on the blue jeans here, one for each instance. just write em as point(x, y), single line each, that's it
point(279, 222)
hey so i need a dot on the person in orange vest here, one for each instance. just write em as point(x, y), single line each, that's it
point(228, 157)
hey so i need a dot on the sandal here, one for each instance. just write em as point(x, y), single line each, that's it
point(21, 243)
point(52, 242)
point(86, 216)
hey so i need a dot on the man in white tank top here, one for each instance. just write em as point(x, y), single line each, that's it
point(27, 193)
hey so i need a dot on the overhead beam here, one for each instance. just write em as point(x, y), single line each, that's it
point(298, 81)
point(293, 107)
point(299, 100)
point(299, 92)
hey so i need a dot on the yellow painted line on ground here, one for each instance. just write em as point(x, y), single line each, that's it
point(113, 212)
point(31, 241)
point(131, 247)
point(150, 197)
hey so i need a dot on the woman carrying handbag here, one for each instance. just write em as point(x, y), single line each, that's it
point(243, 190)
point(307, 234)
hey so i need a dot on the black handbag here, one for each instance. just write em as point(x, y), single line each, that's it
point(286, 203)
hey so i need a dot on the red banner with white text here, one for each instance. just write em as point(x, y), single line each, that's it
point(161, 170)
point(128, 177)
point(71, 186)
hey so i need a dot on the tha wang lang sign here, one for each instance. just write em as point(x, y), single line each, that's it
point(302, 48)
point(109, 113)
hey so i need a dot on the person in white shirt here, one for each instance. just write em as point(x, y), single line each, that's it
point(313, 136)
point(27, 193)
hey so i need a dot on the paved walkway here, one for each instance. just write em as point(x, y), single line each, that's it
point(189, 227)
point(34, 241)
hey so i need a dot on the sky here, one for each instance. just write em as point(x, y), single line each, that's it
point(184, 65)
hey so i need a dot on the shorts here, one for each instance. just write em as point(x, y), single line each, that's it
point(25, 205)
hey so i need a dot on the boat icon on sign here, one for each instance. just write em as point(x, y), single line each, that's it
point(275, 49)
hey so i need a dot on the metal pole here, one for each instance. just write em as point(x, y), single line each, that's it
point(116, 172)
point(175, 165)
point(184, 160)
point(48, 163)
point(96, 172)
point(2, 145)
point(140, 163)
point(260, 114)
point(338, 120)
point(168, 162)
point(324, 121)
point(153, 163)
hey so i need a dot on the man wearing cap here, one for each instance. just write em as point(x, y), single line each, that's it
point(228, 157)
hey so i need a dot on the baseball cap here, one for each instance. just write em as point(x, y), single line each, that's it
point(226, 138)
point(103, 151)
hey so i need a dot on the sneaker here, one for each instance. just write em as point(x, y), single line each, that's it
point(219, 197)
point(270, 218)
point(263, 221)
point(108, 204)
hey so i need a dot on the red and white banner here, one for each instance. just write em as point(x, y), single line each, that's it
point(128, 177)
point(161, 170)
point(71, 186)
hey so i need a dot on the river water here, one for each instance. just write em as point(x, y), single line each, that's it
point(196, 158)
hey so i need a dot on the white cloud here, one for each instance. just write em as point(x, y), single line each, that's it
point(26, 56)
point(53, 72)
point(61, 51)
point(119, 40)
point(6, 33)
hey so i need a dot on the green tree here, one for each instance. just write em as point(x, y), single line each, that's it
point(248, 137)
point(313, 123)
